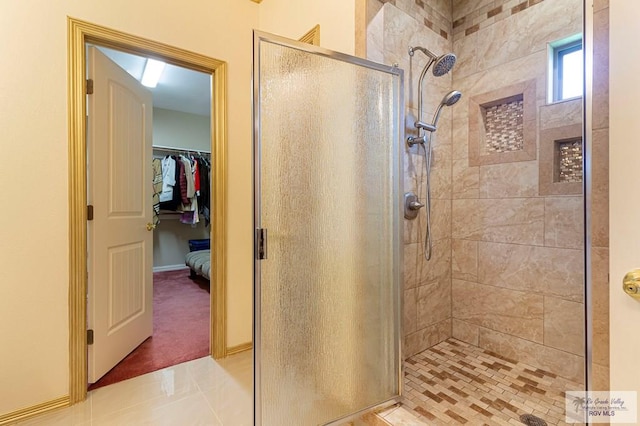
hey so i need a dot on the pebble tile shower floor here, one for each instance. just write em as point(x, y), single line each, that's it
point(457, 383)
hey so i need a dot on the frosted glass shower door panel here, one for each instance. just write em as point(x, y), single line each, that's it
point(327, 192)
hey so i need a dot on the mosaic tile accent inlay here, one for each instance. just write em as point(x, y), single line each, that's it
point(569, 161)
point(504, 127)
point(457, 383)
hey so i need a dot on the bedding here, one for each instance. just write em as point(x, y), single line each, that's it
point(199, 262)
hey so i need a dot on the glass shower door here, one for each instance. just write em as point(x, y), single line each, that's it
point(327, 215)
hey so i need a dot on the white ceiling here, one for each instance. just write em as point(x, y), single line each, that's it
point(179, 89)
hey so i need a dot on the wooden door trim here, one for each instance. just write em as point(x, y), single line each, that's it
point(79, 33)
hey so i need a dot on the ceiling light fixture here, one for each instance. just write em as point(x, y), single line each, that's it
point(152, 72)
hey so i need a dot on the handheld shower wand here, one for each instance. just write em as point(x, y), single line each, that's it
point(441, 66)
point(449, 99)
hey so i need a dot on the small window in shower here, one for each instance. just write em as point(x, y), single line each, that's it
point(566, 68)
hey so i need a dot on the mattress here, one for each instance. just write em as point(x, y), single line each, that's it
point(199, 262)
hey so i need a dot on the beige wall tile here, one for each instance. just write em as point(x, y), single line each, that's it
point(375, 32)
point(508, 180)
point(439, 267)
point(541, 270)
point(411, 230)
point(508, 311)
point(550, 21)
point(465, 331)
point(600, 304)
point(441, 183)
point(600, 377)
point(466, 219)
point(425, 338)
point(460, 131)
point(442, 153)
point(600, 4)
point(464, 260)
point(465, 180)
point(561, 114)
point(433, 303)
point(564, 222)
point(516, 220)
point(601, 69)
point(528, 67)
point(527, 32)
point(564, 325)
point(562, 363)
point(462, 8)
point(412, 262)
point(600, 189)
point(410, 313)
point(465, 50)
point(440, 219)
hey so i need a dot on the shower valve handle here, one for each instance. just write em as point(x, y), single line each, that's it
point(415, 205)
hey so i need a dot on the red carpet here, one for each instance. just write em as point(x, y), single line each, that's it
point(180, 327)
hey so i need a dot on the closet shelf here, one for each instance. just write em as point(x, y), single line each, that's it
point(176, 149)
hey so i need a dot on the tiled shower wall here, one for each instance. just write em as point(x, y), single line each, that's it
point(517, 255)
point(507, 270)
point(392, 28)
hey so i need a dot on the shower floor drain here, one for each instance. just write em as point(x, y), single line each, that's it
point(531, 420)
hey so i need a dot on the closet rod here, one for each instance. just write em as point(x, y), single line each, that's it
point(172, 148)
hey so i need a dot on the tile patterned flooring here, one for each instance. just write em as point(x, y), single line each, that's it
point(457, 383)
point(200, 392)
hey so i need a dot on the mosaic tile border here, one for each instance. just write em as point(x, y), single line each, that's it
point(489, 14)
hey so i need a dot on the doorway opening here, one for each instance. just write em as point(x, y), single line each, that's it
point(80, 34)
point(179, 216)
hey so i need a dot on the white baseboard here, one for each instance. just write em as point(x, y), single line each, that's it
point(170, 267)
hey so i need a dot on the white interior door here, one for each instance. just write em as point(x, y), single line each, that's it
point(120, 300)
point(624, 153)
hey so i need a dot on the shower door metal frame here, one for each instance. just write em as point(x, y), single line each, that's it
point(398, 212)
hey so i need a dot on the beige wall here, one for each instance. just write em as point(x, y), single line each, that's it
point(624, 230)
point(34, 245)
point(181, 130)
point(294, 18)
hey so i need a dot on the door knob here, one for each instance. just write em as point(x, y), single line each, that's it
point(151, 226)
point(631, 284)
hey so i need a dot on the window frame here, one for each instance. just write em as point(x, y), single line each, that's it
point(557, 51)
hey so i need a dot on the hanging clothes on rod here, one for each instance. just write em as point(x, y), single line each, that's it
point(185, 184)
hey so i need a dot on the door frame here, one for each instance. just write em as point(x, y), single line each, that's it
point(79, 33)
